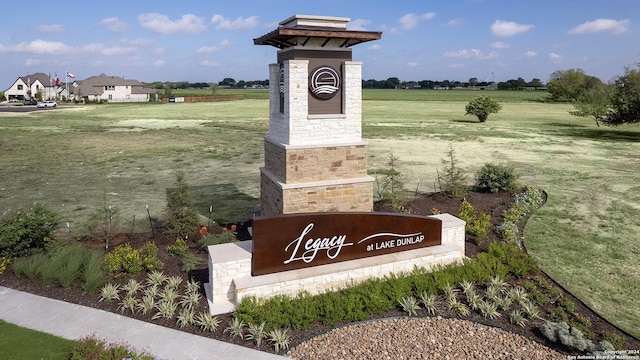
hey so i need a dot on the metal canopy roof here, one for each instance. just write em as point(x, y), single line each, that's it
point(285, 37)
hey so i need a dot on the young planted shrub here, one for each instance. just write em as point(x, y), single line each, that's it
point(569, 336)
point(496, 177)
point(179, 248)
point(452, 180)
point(180, 216)
point(478, 222)
point(391, 184)
point(26, 233)
point(126, 259)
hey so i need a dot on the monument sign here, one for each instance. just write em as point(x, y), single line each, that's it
point(305, 240)
point(315, 159)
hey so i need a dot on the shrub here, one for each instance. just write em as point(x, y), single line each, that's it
point(452, 180)
point(279, 338)
point(4, 262)
point(91, 347)
point(26, 233)
point(495, 177)
point(391, 185)
point(481, 107)
point(568, 336)
point(478, 222)
point(410, 305)
point(189, 262)
point(125, 259)
point(179, 248)
point(180, 215)
point(216, 239)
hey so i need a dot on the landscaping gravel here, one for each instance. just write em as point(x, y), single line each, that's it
point(421, 338)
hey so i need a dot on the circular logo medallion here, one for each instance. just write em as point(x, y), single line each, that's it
point(324, 82)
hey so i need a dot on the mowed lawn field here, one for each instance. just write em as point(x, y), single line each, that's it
point(77, 159)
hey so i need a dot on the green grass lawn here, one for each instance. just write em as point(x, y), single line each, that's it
point(19, 343)
point(77, 158)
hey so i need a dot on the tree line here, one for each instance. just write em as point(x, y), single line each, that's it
point(614, 103)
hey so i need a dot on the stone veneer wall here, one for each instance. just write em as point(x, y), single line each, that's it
point(230, 277)
point(317, 163)
point(279, 198)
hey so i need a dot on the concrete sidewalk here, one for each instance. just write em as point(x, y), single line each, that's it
point(73, 321)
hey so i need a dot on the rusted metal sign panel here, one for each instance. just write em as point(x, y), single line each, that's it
point(295, 241)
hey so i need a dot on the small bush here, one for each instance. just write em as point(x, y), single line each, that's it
point(179, 248)
point(91, 347)
point(495, 177)
point(478, 222)
point(568, 336)
point(126, 259)
point(180, 216)
point(481, 107)
point(189, 262)
point(27, 233)
point(216, 239)
point(452, 180)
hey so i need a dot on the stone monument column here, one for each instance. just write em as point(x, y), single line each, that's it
point(315, 158)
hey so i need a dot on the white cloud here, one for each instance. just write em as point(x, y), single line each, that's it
point(53, 28)
point(159, 51)
point(158, 63)
point(455, 66)
point(161, 24)
point(358, 24)
point(412, 64)
point(374, 47)
point(108, 50)
point(454, 22)
point(114, 24)
point(499, 45)
point(136, 42)
point(555, 58)
point(601, 25)
point(237, 24)
point(409, 21)
point(209, 63)
point(530, 54)
point(37, 47)
point(209, 49)
point(471, 54)
point(508, 28)
point(31, 62)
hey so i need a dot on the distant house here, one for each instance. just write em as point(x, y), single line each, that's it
point(110, 89)
point(39, 86)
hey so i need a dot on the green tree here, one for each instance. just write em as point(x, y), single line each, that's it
point(168, 88)
point(625, 100)
point(481, 107)
point(594, 103)
point(569, 85)
point(180, 215)
point(213, 87)
point(227, 82)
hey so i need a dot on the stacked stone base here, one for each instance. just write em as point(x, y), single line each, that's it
point(230, 277)
point(303, 179)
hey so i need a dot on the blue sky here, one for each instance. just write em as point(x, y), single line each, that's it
point(197, 40)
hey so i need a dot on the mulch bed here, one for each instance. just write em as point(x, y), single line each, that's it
point(490, 203)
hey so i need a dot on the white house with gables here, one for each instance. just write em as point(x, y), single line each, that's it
point(39, 86)
point(110, 89)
